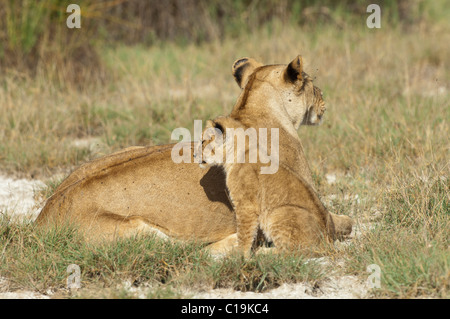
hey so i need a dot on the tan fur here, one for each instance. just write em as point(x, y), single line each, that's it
point(140, 189)
point(282, 205)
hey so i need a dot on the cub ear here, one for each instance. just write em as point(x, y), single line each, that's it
point(218, 124)
point(294, 70)
point(209, 124)
point(242, 69)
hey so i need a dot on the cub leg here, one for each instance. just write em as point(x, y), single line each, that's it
point(247, 227)
point(223, 246)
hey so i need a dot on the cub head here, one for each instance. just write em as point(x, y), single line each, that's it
point(217, 148)
point(298, 98)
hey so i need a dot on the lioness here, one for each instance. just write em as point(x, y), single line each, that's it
point(281, 203)
point(140, 189)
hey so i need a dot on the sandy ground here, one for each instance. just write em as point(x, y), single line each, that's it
point(17, 200)
point(17, 197)
point(345, 287)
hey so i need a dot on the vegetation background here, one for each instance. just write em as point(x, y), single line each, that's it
point(137, 69)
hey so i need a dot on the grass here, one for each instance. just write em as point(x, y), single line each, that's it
point(385, 136)
point(38, 260)
point(411, 241)
point(132, 107)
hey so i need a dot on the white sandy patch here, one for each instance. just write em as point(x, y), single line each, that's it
point(17, 197)
point(331, 178)
point(22, 295)
point(345, 287)
point(93, 144)
point(335, 287)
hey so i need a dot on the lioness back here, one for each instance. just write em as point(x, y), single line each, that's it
point(102, 195)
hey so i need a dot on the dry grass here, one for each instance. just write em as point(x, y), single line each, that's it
point(153, 90)
point(385, 134)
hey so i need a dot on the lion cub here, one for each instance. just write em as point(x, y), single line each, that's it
point(281, 204)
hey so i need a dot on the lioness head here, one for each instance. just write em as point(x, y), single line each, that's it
point(298, 97)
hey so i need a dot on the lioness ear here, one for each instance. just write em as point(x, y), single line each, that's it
point(294, 70)
point(242, 69)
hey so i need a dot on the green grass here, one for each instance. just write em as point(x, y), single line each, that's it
point(411, 241)
point(38, 260)
point(411, 267)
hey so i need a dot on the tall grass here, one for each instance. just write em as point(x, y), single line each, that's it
point(35, 38)
point(411, 241)
point(35, 41)
point(150, 91)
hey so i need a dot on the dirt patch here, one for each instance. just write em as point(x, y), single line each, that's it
point(6, 293)
point(17, 198)
point(345, 287)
